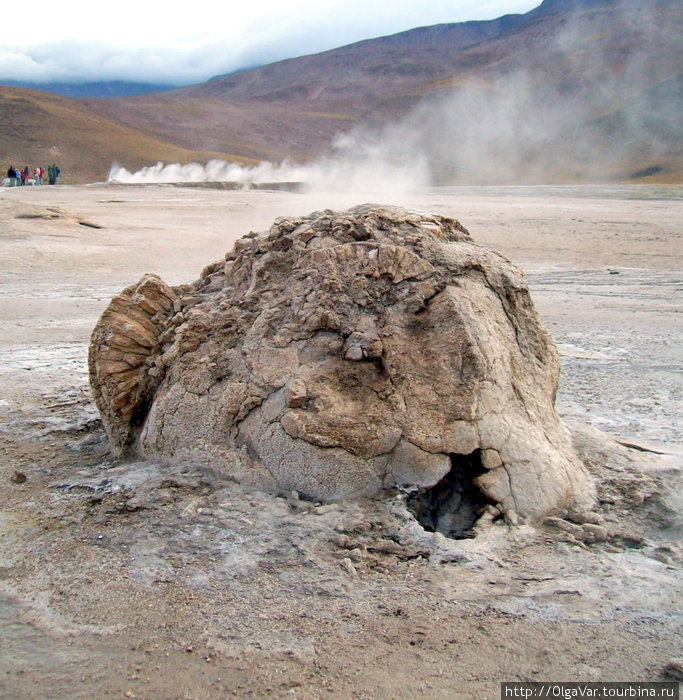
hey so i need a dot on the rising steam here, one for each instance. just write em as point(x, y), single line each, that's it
point(371, 166)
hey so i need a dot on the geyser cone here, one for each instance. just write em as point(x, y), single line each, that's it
point(345, 355)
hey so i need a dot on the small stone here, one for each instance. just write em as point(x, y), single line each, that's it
point(354, 353)
point(581, 517)
point(674, 669)
point(668, 553)
point(356, 554)
point(347, 564)
point(511, 517)
point(594, 533)
point(343, 542)
point(296, 393)
point(19, 477)
point(326, 508)
point(565, 526)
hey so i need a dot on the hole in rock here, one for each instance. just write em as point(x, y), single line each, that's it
point(137, 419)
point(452, 506)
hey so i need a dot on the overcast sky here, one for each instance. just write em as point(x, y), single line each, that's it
point(181, 42)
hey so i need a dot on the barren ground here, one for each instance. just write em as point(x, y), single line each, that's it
point(160, 581)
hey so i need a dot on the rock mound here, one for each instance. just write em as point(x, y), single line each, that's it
point(347, 355)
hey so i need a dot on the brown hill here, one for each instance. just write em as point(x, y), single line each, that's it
point(574, 89)
point(40, 128)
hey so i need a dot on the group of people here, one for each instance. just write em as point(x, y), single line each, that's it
point(18, 177)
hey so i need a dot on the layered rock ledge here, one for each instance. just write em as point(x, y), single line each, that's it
point(346, 355)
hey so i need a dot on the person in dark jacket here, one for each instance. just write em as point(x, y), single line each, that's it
point(10, 175)
point(52, 173)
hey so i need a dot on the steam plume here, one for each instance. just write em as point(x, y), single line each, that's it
point(353, 165)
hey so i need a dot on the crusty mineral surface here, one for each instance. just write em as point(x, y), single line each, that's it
point(345, 355)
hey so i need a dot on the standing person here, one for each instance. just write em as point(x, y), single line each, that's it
point(42, 175)
point(27, 174)
point(53, 173)
point(22, 177)
point(10, 175)
point(36, 176)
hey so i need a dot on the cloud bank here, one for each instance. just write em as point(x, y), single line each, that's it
point(173, 43)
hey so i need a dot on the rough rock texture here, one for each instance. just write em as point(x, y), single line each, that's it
point(345, 355)
point(123, 351)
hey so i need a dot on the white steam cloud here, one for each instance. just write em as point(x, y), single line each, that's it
point(374, 167)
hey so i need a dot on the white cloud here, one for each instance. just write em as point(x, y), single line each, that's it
point(180, 42)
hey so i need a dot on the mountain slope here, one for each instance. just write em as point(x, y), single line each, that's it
point(361, 71)
point(40, 128)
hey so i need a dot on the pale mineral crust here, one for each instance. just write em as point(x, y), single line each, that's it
point(344, 355)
